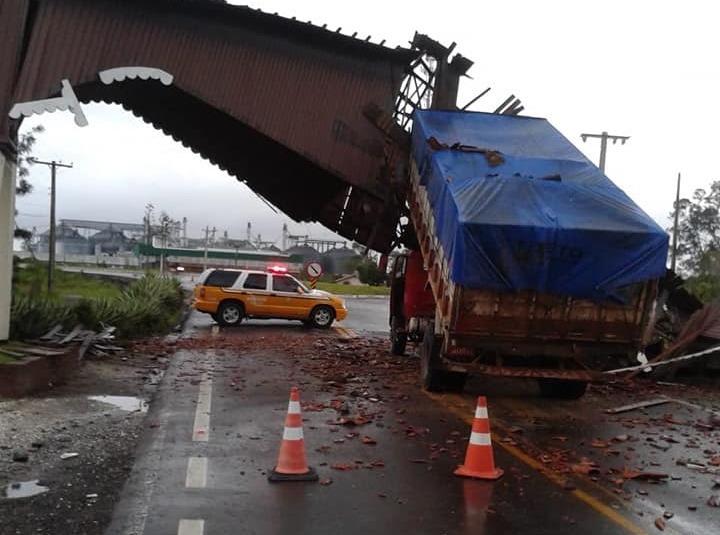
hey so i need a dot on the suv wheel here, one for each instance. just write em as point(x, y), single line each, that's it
point(322, 317)
point(230, 313)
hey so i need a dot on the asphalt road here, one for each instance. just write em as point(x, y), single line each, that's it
point(215, 427)
point(365, 315)
point(215, 482)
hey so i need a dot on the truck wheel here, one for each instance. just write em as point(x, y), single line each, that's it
point(398, 337)
point(455, 381)
point(432, 376)
point(562, 388)
point(322, 317)
point(230, 313)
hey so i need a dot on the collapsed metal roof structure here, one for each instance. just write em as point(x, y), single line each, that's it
point(302, 114)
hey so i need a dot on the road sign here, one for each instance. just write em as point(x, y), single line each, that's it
point(313, 270)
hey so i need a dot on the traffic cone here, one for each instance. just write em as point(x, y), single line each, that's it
point(291, 465)
point(479, 460)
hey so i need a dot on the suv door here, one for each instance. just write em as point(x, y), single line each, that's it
point(257, 296)
point(288, 301)
point(212, 288)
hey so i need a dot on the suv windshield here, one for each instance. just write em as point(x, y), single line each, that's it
point(223, 279)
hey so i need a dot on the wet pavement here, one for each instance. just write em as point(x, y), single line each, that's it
point(568, 465)
point(403, 483)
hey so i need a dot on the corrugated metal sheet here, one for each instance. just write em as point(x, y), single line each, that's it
point(13, 15)
point(275, 102)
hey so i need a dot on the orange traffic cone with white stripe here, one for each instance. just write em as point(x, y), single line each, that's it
point(291, 465)
point(479, 459)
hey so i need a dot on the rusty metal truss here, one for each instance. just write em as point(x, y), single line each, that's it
point(416, 91)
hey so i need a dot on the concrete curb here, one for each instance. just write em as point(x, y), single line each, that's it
point(363, 296)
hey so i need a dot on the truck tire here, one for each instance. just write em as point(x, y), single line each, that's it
point(230, 313)
point(562, 388)
point(398, 336)
point(431, 375)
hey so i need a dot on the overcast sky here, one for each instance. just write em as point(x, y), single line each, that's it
point(644, 69)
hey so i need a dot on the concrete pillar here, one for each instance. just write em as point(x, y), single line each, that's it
point(7, 229)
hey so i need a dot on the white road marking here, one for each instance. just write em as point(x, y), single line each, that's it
point(201, 427)
point(191, 527)
point(345, 332)
point(196, 477)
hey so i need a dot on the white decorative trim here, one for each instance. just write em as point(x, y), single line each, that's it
point(120, 74)
point(67, 101)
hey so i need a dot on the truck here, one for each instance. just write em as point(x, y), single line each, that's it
point(525, 259)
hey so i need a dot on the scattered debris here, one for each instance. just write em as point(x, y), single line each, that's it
point(98, 344)
point(20, 456)
point(71, 455)
point(645, 476)
point(639, 405)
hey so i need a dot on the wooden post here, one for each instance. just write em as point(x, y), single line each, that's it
point(7, 229)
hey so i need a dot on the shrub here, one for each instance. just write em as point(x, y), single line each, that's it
point(32, 317)
point(150, 305)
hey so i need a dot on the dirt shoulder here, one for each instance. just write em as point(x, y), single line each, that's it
point(82, 488)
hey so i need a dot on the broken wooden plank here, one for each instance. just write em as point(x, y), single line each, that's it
point(87, 342)
point(11, 353)
point(639, 405)
point(43, 351)
point(52, 332)
point(71, 336)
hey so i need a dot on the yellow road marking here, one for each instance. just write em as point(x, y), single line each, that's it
point(594, 503)
point(345, 332)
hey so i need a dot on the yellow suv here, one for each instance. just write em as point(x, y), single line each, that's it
point(229, 295)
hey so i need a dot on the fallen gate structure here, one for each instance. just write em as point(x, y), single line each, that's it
point(310, 118)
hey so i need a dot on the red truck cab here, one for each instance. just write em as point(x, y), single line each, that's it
point(411, 300)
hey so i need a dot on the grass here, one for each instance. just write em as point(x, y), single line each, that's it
point(346, 289)
point(5, 359)
point(32, 281)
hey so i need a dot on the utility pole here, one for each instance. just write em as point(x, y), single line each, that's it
point(205, 255)
point(603, 144)
point(675, 227)
point(51, 243)
point(207, 238)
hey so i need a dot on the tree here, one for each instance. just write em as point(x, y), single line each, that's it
point(370, 273)
point(24, 158)
point(24, 161)
point(699, 241)
point(699, 228)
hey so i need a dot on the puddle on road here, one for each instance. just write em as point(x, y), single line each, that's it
point(126, 403)
point(24, 489)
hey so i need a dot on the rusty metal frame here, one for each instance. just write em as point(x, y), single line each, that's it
point(416, 91)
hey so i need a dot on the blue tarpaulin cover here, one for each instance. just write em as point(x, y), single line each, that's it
point(544, 219)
